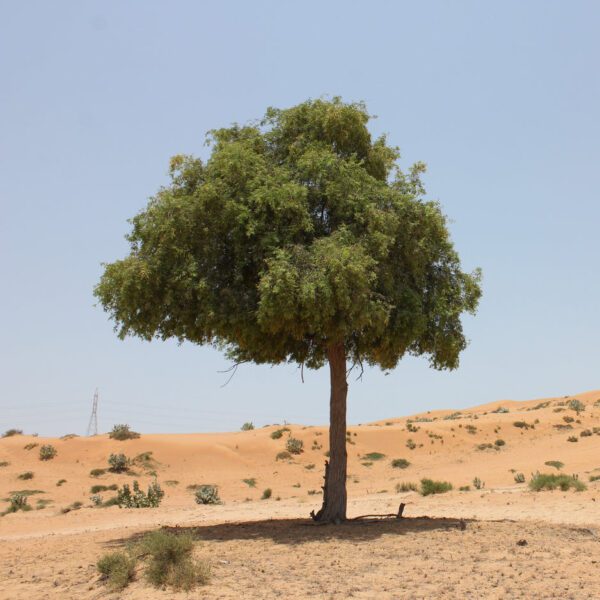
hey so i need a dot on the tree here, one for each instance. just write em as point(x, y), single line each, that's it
point(299, 240)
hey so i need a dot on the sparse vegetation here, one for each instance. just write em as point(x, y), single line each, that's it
point(138, 499)
point(500, 410)
point(594, 478)
point(294, 446)
point(118, 463)
point(47, 452)
point(171, 562)
point(248, 426)
point(400, 463)
point(487, 446)
point(278, 433)
point(572, 438)
point(267, 493)
point(410, 444)
point(96, 489)
point(373, 456)
point(471, 429)
point(250, 482)
point(585, 433)
point(117, 569)
point(122, 432)
point(30, 446)
point(523, 425)
point(478, 484)
point(11, 432)
point(464, 488)
point(4, 463)
point(207, 494)
point(75, 506)
point(576, 405)
point(25, 476)
point(555, 463)
point(17, 502)
point(283, 455)
point(309, 467)
point(429, 486)
point(568, 419)
point(550, 481)
point(499, 443)
point(406, 487)
point(97, 472)
point(519, 478)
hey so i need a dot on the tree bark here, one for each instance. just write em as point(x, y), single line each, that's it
point(334, 490)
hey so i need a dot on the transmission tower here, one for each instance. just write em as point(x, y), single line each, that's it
point(93, 424)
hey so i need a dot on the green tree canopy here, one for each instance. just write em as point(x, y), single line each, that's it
point(299, 230)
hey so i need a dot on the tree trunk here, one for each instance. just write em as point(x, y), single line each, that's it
point(334, 490)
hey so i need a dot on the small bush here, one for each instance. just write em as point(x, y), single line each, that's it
point(471, 429)
point(250, 482)
point(122, 432)
point(406, 487)
point(576, 405)
point(30, 446)
point(294, 446)
point(25, 476)
point(97, 472)
point(118, 463)
point(207, 494)
point(138, 499)
point(283, 455)
point(555, 463)
point(47, 452)
point(568, 419)
point(500, 409)
point(429, 486)
point(464, 488)
point(594, 477)
point(585, 433)
point(278, 433)
point(410, 444)
point(96, 499)
point(17, 501)
point(522, 425)
point(95, 489)
point(572, 438)
point(400, 463)
point(550, 481)
point(117, 568)
point(266, 494)
point(499, 443)
point(487, 446)
point(4, 463)
point(373, 456)
point(248, 426)
point(519, 478)
point(11, 432)
point(75, 506)
point(171, 563)
point(478, 484)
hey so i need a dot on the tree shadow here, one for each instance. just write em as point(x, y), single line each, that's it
point(302, 531)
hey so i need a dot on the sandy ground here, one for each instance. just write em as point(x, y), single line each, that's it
point(455, 545)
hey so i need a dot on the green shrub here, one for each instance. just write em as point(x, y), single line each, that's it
point(170, 561)
point(294, 446)
point(576, 405)
point(373, 456)
point(25, 476)
point(47, 452)
point(118, 463)
point(464, 488)
point(522, 425)
point(400, 463)
point(95, 489)
point(138, 499)
point(248, 426)
point(555, 463)
point(594, 478)
point(278, 433)
point(550, 481)
point(17, 501)
point(122, 432)
point(478, 484)
point(97, 472)
point(11, 432)
point(283, 455)
point(429, 486)
point(519, 478)
point(207, 494)
point(96, 499)
point(250, 482)
point(471, 429)
point(499, 443)
point(406, 487)
point(75, 506)
point(117, 568)
point(30, 446)
point(266, 494)
point(410, 444)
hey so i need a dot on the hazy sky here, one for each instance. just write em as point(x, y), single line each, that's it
point(500, 99)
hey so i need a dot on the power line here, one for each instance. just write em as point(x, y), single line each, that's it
point(93, 424)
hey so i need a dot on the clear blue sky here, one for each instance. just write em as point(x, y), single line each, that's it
point(500, 99)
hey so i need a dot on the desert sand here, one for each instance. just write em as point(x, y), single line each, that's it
point(500, 541)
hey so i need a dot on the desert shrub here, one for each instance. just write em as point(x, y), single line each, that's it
point(248, 426)
point(4, 463)
point(486, 446)
point(410, 444)
point(122, 432)
point(373, 456)
point(400, 463)
point(555, 463)
point(478, 484)
point(47, 452)
point(207, 494)
point(576, 405)
point(113, 501)
point(464, 488)
point(519, 478)
point(572, 438)
point(453, 416)
point(278, 433)
point(117, 568)
point(138, 499)
point(499, 443)
point(406, 486)
point(594, 477)
point(500, 409)
point(95, 489)
point(309, 467)
point(170, 561)
point(471, 429)
point(550, 481)
point(429, 486)
point(11, 432)
point(25, 476)
point(75, 506)
point(283, 455)
point(97, 472)
point(118, 463)
point(522, 425)
point(294, 446)
point(30, 446)
point(267, 493)
point(251, 482)
point(96, 499)
point(412, 428)
point(69, 436)
point(16, 502)
point(585, 433)
point(540, 406)
point(567, 419)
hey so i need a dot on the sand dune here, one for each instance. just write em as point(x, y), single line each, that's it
point(58, 550)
